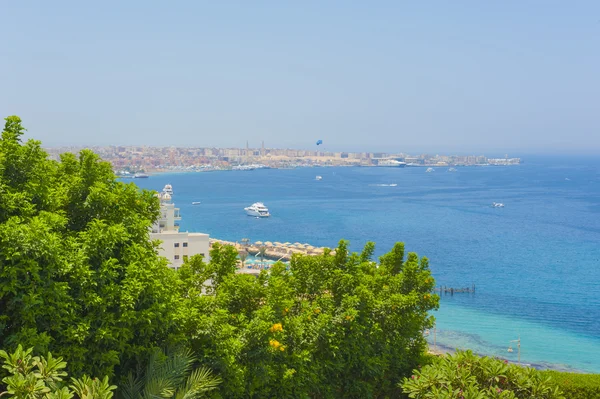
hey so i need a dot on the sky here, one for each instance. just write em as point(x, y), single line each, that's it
point(397, 76)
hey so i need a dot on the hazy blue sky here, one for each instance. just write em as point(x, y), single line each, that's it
point(455, 76)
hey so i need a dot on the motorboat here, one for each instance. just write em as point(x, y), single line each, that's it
point(258, 209)
point(196, 203)
point(319, 178)
point(168, 189)
point(497, 205)
point(140, 176)
point(429, 170)
point(452, 170)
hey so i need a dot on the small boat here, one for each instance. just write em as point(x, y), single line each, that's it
point(168, 189)
point(196, 203)
point(497, 205)
point(140, 176)
point(257, 209)
point(452, 170)
point(429, 170)
point(319, 178)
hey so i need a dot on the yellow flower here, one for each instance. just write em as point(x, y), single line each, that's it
point(281, 348)
point(348, 317)
point(317, 311)
point(276, 327)
point(274, 343)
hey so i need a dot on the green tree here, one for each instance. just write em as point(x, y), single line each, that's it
point(329, 326)
point(80, 276)
point(243, 256)
point(33, 377)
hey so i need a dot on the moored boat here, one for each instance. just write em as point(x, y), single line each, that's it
point(258, 209)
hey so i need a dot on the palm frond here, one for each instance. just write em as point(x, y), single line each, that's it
point(132, 387)
point(158, 388)
point(201, 380)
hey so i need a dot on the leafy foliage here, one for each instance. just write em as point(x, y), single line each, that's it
point(576, 386)
point(169, 376)
point(465, 375)
point(80, 276)
point(329, 326)
point(33, 377)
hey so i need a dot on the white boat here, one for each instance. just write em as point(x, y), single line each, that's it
point(497, 205)
point(168, 189)
point(140, 176)
point(390, 163)
point(429, 170)
point(452, 170)
point(258, 209)
point(318, 178)
point(196, 203)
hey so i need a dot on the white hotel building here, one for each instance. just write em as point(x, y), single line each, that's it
point(175, 245)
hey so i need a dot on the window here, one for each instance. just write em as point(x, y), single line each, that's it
point(185, 258)
point(176, 245)
point(185, 244)
point(176, 257)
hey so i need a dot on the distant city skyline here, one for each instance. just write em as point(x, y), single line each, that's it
point(507, 77)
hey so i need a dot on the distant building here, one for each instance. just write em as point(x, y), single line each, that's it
point(176, 246)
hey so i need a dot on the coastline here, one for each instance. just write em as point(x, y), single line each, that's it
point(274, 251)
point(157, 172)
point(442, 350)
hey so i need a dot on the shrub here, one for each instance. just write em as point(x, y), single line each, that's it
point(465, 375)
point(32, 377)
point(576, 386)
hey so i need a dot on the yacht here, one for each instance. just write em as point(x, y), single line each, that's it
point(140, 176)
point(497, 205)
point(318, 178)
point(258, 209)
point(168, 189)
point(391, 163)
point(429, 170)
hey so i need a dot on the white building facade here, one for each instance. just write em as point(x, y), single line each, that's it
point(176, 246)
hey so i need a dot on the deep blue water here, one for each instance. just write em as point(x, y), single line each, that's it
point(535, 262)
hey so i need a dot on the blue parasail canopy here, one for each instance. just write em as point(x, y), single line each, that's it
point(319, 142)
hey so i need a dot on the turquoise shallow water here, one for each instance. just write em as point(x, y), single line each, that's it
point(535, 263)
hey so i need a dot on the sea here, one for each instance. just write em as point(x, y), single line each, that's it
point(535, 263)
